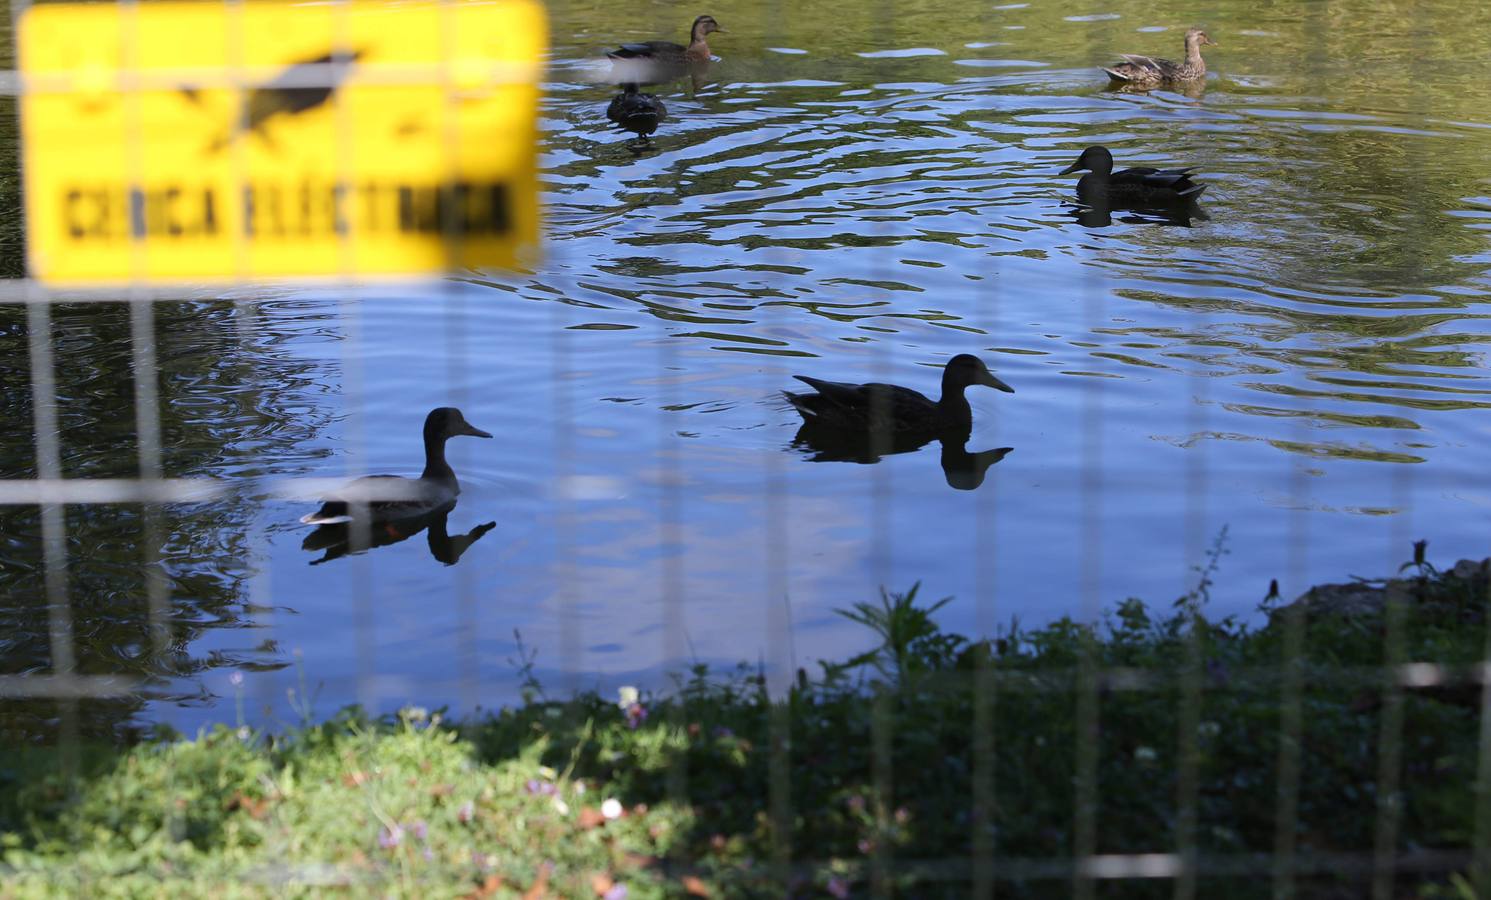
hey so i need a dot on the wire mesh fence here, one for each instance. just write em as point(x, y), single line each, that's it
point(56, 667)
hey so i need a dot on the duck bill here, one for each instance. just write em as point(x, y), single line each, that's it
point(990, 381)
point(472, 430)
point(1071, 168)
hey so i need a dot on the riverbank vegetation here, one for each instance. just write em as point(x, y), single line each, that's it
point(929, 763)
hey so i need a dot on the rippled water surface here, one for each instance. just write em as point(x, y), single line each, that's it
point(857, 191)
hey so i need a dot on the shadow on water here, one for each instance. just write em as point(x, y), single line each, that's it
point(342, 539)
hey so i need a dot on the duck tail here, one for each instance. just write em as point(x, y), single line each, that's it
point(314, 519)
point(799, 403)
point(328, 514)
point(1194, 191)
point(1115, 75)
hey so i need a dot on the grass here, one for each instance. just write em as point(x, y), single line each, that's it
point(1169, 730)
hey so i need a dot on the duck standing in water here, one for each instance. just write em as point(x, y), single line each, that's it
point(636, 112)
point(1103, 187)
point(389, 498)
point(891, 412)
point(653, 62)
point(1149, 71)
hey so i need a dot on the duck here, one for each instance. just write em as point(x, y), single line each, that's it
point(636, 112)
point(388, 498)
point(894, 411)
point(652, 62)
point(1140, 185)
point(1149, 71)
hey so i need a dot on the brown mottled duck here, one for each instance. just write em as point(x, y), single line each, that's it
point(653, 62)
point(1150, 71)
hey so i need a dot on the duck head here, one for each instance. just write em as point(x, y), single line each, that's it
point(1093, 159)
point(1196, 38)
point(447, 422)
point(966, 369)
point(704, 25)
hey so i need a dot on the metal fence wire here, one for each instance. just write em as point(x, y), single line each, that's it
point(53, 671)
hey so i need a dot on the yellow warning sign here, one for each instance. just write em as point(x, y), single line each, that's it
point(201, 142)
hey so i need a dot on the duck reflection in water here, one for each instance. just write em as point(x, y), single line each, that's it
point(863, 422)
point(389, 508)
point(964, 471)
point(1101, 215)
point(342, 538)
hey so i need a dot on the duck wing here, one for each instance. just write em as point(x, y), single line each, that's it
point(1159, 181)
point(871, 406)
point(1139, 68)
point(386, 497)
point(647, 50)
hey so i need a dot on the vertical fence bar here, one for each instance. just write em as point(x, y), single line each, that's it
point(147, 429)
point(1188, 757)
point(143, 359)
point(1188, 676)
point(453, 299)
point(1090, 546)
point(1390, 749)
point(1388, 792)
point(670, 534)
point(566, 514)
point(779, 641)
point(1481, 864)
point(1291, 703)
point(53, 521)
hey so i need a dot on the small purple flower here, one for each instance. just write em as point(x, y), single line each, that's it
point(466, 813)
point(389, 838)
point(866, 846)
point(421, 830)
point(838, 887)
point(429, 854)
point(542, 788)
point(617, 892)
point(636, 714)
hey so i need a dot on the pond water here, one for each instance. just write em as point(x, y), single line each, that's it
point(856, 192)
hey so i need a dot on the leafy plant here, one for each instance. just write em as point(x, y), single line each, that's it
point(910, 642)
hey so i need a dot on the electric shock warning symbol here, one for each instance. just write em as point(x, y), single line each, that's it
point(278, 140)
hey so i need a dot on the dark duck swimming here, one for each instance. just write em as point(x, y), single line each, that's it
point(388, 498)
point(894, 411)
point(652, 62)
point(1140, 185)
point(636, 112)
point(1149, 71)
